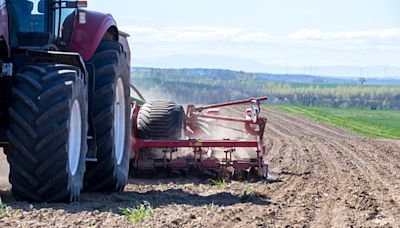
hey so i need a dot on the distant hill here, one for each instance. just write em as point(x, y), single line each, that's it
point(222, 74)
point(205, 86)
point(250, 65)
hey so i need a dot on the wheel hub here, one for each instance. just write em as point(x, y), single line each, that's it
point(119, 121)
point(74, 138)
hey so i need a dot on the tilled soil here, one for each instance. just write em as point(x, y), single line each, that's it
point(323, 177)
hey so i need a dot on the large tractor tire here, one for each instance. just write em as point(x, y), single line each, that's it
point(161, 120)
point(111, 114)
point(158, 120)
point(47, 133)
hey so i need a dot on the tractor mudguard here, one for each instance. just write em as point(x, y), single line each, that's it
point(88, 31)
point(68, 58)
point(123, 39)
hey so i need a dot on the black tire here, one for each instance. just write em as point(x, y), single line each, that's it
point(111, 66)
point(161, 120)
point(40, 114)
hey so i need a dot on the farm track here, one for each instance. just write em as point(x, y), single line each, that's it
point(325, 177)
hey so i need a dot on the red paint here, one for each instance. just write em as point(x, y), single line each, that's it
point(251, 100)
point(193, 113)
point(192, 143)
point(241, 165)
point(210, 164)
point(86, 38)
point(201, 146)
point(179, 164)
point(225, 118)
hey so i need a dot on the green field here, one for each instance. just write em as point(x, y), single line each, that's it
point(383, 124)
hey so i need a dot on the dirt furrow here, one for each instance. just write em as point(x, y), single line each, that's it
point(321, 177)
point(361, 170)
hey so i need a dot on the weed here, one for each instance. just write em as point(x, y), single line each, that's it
point(217, 183)
point(246, 193)
point(209, 207)
point(138, 213)
point(162, 187)
point(4, 209)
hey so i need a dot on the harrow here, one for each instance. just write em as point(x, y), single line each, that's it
point(201, 151)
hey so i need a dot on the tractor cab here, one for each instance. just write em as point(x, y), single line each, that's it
point(41, 24)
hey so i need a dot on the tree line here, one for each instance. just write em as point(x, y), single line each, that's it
point(189, 87)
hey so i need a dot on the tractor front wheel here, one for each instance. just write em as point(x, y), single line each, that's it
point(47, 133)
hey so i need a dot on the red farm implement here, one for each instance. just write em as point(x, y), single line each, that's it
point(199, 143)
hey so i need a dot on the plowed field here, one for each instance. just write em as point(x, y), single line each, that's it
point(323, 177)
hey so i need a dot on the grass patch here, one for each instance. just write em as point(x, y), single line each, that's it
point(246, 194)
point(4, 209)
point(210, 207)
point(382, 124)
point(138, 213)
point(162, 187)
point(217, 183)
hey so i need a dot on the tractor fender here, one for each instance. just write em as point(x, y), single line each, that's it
point(86, 37)
point(123, 40)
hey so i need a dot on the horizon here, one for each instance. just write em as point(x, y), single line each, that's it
point(256, 35)
point(350, 77)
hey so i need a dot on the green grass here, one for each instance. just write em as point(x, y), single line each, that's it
point(4, 209)
point(246, 194)
point(382, 124)
point(217, 183)
point(162, 187)
point(138, 213)
point(210, 207)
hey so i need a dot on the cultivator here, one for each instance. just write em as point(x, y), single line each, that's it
point(222, 156)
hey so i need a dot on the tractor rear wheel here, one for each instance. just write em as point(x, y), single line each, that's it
point(161, 120)
point(47, 133)
point(111, 115)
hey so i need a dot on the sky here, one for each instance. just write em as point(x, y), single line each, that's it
point(261, 35)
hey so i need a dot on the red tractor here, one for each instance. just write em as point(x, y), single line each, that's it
point(64, 100)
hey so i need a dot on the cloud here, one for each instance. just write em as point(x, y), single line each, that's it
point(182, 34)
point(206, 34)
point(314, 34)
point(301, 48)
point(132, 17)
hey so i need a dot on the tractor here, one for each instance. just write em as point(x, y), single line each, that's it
point(64, 100)
point(71, 120)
